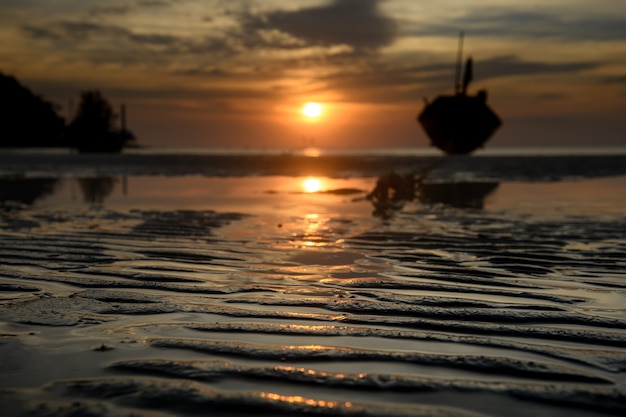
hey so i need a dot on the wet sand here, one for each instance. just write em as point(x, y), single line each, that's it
point(242, 296)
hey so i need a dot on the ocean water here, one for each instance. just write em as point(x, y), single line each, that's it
point(244, 283)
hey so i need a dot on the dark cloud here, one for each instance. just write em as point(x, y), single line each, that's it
point(83, 31)
point(357, 23)
point(203, 47)
point(154, 3)
point(202, 71)
point(617, 79)
point(119, 10)
point(152, 38)
point(494, 22)
point(38, 32)
point(551, 96)
point(358, 27)
point(109, 10)
point(389, 83)
point(510, 65)
point(68, 30)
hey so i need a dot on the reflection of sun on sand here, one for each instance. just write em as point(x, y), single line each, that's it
point(204, 291)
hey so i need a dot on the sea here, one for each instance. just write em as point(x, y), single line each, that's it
point(249, 282)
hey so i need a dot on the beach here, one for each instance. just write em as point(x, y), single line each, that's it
point(245, 284)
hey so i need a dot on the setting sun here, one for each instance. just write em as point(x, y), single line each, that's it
point(312, 185)
point(312, 110)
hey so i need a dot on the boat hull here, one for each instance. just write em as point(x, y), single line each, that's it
point(458, 124)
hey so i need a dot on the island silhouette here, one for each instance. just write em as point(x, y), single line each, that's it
point(30, 121)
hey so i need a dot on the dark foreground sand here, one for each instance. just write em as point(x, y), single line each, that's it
point(247, 296)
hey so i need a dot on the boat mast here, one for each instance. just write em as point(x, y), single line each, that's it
point(459, 59)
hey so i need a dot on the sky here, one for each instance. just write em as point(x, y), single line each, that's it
point(231, 73)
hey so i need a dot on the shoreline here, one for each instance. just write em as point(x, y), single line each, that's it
point(450, 168)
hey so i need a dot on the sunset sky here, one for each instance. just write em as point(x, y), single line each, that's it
point(236, 73)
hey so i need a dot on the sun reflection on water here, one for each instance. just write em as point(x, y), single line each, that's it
point(296, 399)
point(312, 227)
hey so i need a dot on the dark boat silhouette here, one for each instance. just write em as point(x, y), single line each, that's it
point(459, 123)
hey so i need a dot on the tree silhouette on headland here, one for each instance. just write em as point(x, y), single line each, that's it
point(93, 127)
point(30, 121)
point(94, 116)
point(27, 119)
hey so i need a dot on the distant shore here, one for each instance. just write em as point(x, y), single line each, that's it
point(511, 167)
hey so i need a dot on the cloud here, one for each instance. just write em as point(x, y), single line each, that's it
point(82, 32)
point(338, 32)
point(551, 96)
point(341, 37)
point(617, 79)
point(153, 3)
point(38, 32)
point(357, 23)
point(492, 22)
point(119, 10)
point(68, 30)
point(510, 65)
point(151, 38)
point(109, 10)
point(389, 82)
point(202, 71)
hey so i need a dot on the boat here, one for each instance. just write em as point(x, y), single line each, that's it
point(459, 123)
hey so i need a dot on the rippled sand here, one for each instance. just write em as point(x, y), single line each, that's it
point(248, 296)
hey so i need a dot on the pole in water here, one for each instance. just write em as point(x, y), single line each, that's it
point(459, 59)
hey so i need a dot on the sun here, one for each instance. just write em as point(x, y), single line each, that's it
point(312, 110)
point(312, 185)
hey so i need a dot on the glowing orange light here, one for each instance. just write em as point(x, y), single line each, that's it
point(296, 399)
point(312, 185)
point(311, 152)
point(312, 110)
